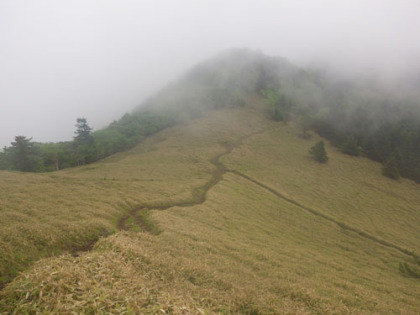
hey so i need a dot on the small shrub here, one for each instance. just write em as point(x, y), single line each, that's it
point(319, 153)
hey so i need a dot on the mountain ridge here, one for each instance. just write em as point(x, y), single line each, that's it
point(252, 223)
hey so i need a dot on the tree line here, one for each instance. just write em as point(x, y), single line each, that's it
point(86, 147)
point(172, 105)
point(389, 136)
point(395, 142)
point(353, 116)
point(381, 127)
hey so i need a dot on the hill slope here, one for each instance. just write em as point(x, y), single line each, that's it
point(248, 223)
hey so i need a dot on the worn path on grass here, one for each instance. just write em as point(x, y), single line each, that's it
point(342, 225)
point(200, 195)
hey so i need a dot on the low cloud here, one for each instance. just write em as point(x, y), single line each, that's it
point(98, 59)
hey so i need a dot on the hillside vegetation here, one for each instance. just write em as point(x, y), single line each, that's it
point(266, 239)
point(225, 211)
point(358, 116)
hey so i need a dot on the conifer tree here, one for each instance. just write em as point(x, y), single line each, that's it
point(319, 153)
point(23, 155)
point(83, 132)
point(83, 142)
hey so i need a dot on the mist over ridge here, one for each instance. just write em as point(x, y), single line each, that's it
point(209, 157)
point(100, 59)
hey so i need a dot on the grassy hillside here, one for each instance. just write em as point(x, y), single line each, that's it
point(42, 214)
point(241, 220)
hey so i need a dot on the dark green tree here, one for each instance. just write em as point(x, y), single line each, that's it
point(318, 152)
point(83, 132)
point(83, 143)
point(23, 155)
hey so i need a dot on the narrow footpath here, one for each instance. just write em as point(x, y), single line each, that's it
point(200, 196)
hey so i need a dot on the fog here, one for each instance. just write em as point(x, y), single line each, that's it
point(98, 59)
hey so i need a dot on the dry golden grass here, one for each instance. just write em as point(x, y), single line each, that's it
point(44, 214)
point(348, 189)
point(246, 249)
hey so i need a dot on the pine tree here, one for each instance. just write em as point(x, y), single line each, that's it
point(83, 132)
point(23, 155)
point(319, 153)
point(83, 142)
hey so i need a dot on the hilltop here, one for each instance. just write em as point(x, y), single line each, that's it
point(222, 211)
point(359, 116)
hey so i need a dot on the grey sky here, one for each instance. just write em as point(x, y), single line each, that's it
point(63, 59)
